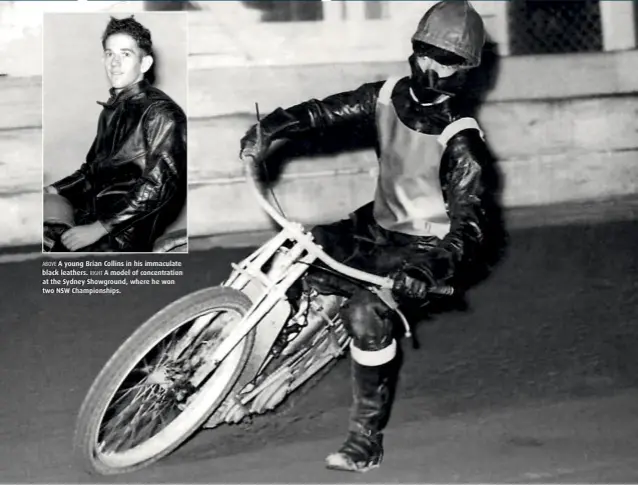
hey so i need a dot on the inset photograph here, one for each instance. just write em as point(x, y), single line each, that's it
point(115, 132)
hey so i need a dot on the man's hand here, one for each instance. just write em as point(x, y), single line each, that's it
point(254, 144)
point(411, 287)
point(50, 189)
point(81, 236)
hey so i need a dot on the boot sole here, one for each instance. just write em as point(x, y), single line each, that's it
point(355, 470)
point(337, 462)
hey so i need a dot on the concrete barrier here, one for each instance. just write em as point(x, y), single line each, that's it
point(216, 91)
point(564, 129)
point(548, 152)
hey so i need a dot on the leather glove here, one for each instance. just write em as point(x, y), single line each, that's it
point(254, 144)
point(281, 123)
point(412, 286)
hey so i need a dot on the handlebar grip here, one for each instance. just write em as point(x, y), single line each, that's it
point(442, 290)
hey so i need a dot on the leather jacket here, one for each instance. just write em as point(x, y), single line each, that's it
point(461, 172)
point(133, 180)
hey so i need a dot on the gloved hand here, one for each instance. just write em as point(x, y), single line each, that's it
point(281, 123)
point(411, 284)
point(254, 144)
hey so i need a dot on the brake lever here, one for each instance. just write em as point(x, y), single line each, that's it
point(386, 296)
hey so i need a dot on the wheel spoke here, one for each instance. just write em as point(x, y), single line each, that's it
point(137, 419)
point(127, 393)
point(153, 406)
point(141, 417)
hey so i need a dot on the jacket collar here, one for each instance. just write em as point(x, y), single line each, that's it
point(126, 93)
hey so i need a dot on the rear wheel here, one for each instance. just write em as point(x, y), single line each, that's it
point(142, 405)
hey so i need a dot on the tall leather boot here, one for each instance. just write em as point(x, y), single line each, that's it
point(372, 392)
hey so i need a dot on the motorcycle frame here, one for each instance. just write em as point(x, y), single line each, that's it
point(270, 312)
point(267, 291)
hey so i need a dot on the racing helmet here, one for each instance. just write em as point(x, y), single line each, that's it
point(453, 26)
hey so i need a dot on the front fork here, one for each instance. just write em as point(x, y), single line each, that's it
point(269, 293)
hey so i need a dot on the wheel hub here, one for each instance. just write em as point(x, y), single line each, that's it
point(159, 377)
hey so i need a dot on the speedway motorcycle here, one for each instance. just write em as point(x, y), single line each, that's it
point(219, 355)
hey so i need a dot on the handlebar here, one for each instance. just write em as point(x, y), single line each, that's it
point(381, 286)
point(304, 238)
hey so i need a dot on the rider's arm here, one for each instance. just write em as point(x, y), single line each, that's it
point(464, 162)
point(354, 109)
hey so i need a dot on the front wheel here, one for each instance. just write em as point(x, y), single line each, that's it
point(142, 405)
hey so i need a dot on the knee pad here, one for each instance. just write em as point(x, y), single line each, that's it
point(368, 321)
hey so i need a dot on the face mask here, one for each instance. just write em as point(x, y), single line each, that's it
point(427, 85)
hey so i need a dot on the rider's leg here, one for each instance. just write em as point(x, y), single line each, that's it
point(337, 240)
point(374, 373)
point(350, 241)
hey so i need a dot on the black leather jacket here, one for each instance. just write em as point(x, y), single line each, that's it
point(462, 167)
point(134, 178)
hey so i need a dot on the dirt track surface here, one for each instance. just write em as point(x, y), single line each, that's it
point(536, 382)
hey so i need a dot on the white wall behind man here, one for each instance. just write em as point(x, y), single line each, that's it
point(21, 30)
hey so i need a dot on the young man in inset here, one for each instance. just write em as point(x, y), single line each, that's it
point(133, 182)
point(426, 224)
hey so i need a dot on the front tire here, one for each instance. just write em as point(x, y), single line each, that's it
point(144, 362)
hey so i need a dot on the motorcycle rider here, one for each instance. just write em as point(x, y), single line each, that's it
point(426, 222)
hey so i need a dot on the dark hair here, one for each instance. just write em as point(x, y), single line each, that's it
point(131, 27)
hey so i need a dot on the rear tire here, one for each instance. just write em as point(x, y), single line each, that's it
point(162, 381)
